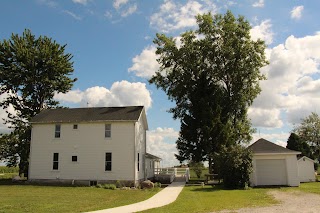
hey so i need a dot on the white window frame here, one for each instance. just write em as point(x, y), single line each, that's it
point(107, 131)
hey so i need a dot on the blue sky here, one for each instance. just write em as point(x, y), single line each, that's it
point(111, 42)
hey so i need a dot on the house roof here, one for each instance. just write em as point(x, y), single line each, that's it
point(264, 146)
point(148, 155)
point(92, 114)
point(305, 158)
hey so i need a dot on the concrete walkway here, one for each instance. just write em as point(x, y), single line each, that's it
point(162, 198)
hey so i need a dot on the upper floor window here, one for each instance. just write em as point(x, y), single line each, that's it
point(55, 161)
point(107, 131)
point(108, 162)
point(75, 126)
point(57, 132)
point(74, 158)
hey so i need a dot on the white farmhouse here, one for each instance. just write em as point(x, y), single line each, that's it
point(90, 146)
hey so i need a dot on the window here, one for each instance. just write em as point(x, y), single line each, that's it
point(57, 131)
point(108, 164)
point(75, 126)
point(74, 158)
point(107, 132)
point(138, 161)
point(55, 161)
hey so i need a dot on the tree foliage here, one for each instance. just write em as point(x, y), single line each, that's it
point(235, 165)
point(213, 77)
point(32, 70)
point(309, 132)
point(296, 143)
point(197, 167)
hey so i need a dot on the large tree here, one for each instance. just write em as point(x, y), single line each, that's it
point(213, 76)
point(309, 131)
point(296, 143)
point(32, 70)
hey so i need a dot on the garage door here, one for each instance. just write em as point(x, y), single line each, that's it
point(271, 172)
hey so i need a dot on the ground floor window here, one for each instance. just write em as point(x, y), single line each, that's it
point(55, 161)
point(108, 162)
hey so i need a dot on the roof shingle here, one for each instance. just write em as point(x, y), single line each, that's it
point(67, 115)
point(264, 146)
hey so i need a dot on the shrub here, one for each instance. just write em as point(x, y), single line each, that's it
point(99, 186)
point(157, 185)
point(109, 186)
point(235, 165)
point(197, 167)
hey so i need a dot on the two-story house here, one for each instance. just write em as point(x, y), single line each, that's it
point(90, 146)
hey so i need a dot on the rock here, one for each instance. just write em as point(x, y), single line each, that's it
point(147, 184)
point(16, 178)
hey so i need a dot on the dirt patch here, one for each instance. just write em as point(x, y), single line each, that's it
point(290, 202)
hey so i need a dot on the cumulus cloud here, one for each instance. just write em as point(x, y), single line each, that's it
point(296, 12)
point(263, 31)
point(161, 142)
point(145, 64)
point(174, 16)
point(124, 8)
point(121, 93)
point(259, 3)
point(293, 83)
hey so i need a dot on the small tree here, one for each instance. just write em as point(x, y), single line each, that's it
point(197, 167)
point(235, 165)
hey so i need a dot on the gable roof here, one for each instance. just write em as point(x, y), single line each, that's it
point(92, 114)
point(303, 158)
point(263, 146)
point(150, 156)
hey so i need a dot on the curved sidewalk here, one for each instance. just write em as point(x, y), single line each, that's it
point(162, 198)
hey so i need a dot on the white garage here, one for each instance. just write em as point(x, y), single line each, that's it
point(273, 165)
point(306, 169)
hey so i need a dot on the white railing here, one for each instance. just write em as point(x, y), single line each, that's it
point(177, 172)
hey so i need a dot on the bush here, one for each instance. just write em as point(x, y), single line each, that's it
point(5, 169)
point(235, 165)
point(197, 167)
point(157, 185)
point(109, 186)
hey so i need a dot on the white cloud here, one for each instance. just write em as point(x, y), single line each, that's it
point(259, 3)
point(108, 14)
point(293, 83)
point(174, 16)
point(72, 15)
point(83, 2)
point(296, 12)
point(129, 11)
point(263, 31)
point(161, 142)
point(118, 3)
point(265, 117)
point(121, 93)
point(145, 64)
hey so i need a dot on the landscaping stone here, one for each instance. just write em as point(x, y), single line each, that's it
point(147, 184)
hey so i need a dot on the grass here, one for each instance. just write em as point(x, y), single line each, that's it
point(4, 176)
point(208, 199)
point(312, 187)
point(29, 198)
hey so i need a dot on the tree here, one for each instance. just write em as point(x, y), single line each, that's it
point(309, 131)
point(235, 165)
point(32, 70)
point(296, 143)
point(197, 167)
point(213, 77)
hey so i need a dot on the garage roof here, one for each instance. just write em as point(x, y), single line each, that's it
point(264, 146)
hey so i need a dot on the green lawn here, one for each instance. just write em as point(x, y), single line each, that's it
point(27, 198)
point(208, 199)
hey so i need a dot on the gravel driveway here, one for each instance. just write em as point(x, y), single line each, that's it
point(290, 202)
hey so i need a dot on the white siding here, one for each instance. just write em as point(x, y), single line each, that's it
point(140, 131)
point(306, 170)
point(88, 142)
point(291, 168)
